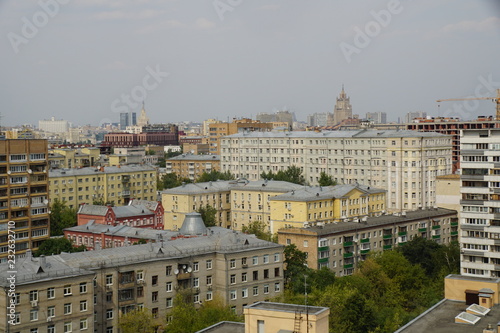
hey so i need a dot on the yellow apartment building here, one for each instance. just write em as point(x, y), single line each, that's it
point(23, 195)
point(328, 204)
point(251, 201)
point(192, 166)
point(116, 184)
point(73, 157)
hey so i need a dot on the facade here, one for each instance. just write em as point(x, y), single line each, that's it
point(317, 119)
point(377, 117)
point(138, 213)
point(23, 195)
point(117, 184)
point(341, 246)
point(252, 201)
point(210, 262)
point(143, 119)
point(410, 116)
point(73, 157)
point(192, 166)
point(218, 130)
point(480, 208)
point(343, 108)
point(321, 205)
point(127, 119)
point(448, 191)
point(53, 125)
point(404, 163)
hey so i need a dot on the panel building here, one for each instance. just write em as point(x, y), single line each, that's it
point(23, 194)
point(404, 163)
point(92, 290)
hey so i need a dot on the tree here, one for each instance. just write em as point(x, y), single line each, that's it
point(214, 175)
point(56, 246)
point(61, 217)
point(171, 180)
point(258, 228)
point(138, 321)
point(208, 215)
point(292, 174)
point(326, 179)
point(295, 268)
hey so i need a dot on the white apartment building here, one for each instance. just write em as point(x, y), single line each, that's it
point(480, 203)
point(53, 125)
point(404, 163)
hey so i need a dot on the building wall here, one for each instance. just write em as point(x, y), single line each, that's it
point(448, 192)
point(404, 166)
point(455, 287)
point(23, 194)
point(76, 187)
point(192, 168)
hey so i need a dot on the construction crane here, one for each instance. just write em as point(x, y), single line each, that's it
point(494, 99)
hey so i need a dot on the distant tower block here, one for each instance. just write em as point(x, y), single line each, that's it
point(143, 119)
point(343, 108)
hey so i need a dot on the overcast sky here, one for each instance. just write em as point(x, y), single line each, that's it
point(87, 60)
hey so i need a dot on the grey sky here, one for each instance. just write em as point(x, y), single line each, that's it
point(263, 56)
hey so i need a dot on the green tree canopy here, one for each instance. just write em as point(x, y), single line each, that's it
point(61, 217)
point(292, 174)
point(208, 215)
point(214, 175)
point(259, 229)
point(56, 246)
point(295, 268)
point(138, 321)
point(171, 180)
point(326, 179)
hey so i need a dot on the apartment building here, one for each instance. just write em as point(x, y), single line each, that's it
point(47, 294)
point(320, 205)
point(341, 246)
point(138, 213)
point(238, 202)
point(117, 184)
point(480, 203)
point(404, 163)
point(192, 166)
point(23, 194)
point(252, 201)
point(218, 130)
point(73, 157)
point(210, 262)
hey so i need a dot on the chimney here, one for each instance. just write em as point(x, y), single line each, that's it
point(490, 329)
point(43, 262)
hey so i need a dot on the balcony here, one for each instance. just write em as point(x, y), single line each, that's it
point(436, 236)
point(387, 247)
point(434, 227)
point(323, 248)
point(365, 240)
point(125, 193)
point(454, 223)
point(402, 233)
point(454, 233)
point(346, 244)
point(365, 251)
point(183, 276)
point(348, 266)
point(387, 236)
point(348, 255)
point(422, 229)
point(322, 260)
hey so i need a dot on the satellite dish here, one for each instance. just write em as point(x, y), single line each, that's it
point(29, 171)
point(184, 267)
point(190, 269)
point(8, 172)
point(176, 272)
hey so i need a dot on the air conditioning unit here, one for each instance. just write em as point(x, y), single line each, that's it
point(49, 319)
point(209, 287)
point(140, 281)
point(109, 287)
point(34, 304)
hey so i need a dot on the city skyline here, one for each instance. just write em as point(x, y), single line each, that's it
point(80, 60)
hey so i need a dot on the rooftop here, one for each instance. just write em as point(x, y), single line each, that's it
point(454, 176)
point(312, 310)
point(331, 228)
point(192, 157)
point(227, 185)
point(313, 193)
point(122, 231)
point(340, 134)
point(225, 327)
point(441, 319)
point(93, 171)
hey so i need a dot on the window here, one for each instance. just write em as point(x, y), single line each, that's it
point(154, 280)
point(255, 275)
point(68, 327)
point(209, 280)
point(255, 260)
point(154, 312)
point(33, 295)
point(83, 324)
point(33, 315)
point(83, 306)
point(209, 264)
point(276, 271)
point(209, 296)
point(232, 263)
point(196, 282)
point(109, 314)
point(244, 277)
point(244, 293)
point(169, 302)
point(169, 286)
point(266, 274)
point(266, 289)
point(266, 258)
point(232, 294)
point(255, 290)
point(51, 293)
point(277, 287)
point(109, 329)
point(34, 330)
point(51, 329)
point(196, 266)
point(306, 243)
point(196, 298)
point(232, 279)
point(51, 311)
point(109, 280)
point(154, 296)
point(83, 288)
point(67, 308)
point(168, 270)
point(109, 296)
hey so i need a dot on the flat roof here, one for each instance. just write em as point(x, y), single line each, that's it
point(340, 134)
point(441, 319)
point(224, 327)
point(313, 310)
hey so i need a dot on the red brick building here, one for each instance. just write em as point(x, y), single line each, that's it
point(138, 213)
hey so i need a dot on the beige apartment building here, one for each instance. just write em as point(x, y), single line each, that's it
point(73, 157)
point(192, 166)
point(23, 195)
point(341, 246)
point(116, 184)
point(100, 286)
point(404, 163)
